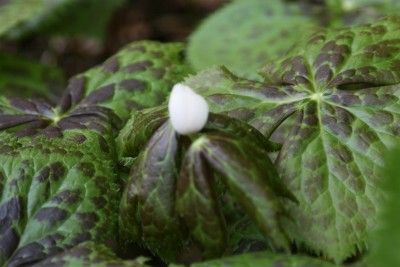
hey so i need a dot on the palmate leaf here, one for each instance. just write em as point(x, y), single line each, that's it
point(340, 91)
point(58, 172)
point(139, 76)
point(265, 259)
point(244, 35)
point(162, 187)
point(90, 254)
point(250, 177)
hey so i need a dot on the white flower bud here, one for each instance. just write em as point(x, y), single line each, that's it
point(188, 111)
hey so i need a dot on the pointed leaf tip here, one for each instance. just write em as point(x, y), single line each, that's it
point(188, 111)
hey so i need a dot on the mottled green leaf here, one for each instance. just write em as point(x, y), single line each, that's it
point(363, 55)
point(244, 35)
point(25, 78)
point(141, 75)
point(154, 186)
point(54, 195)
point(386, 238)
point(90, 254)
point(244, 235)
point(265, 259)
point(340, 91)
point(249, 176)
point(198, 204)
point(58, 175)
point(142, 125)
point(147, 209)
point(138, 130)
point(262, 105)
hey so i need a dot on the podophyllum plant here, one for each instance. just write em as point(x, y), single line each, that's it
point(289, 165)
point(332, 102)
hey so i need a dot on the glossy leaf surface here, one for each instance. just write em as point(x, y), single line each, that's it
point(340, 91)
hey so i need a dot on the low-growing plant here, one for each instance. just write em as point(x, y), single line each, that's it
point(288, 168)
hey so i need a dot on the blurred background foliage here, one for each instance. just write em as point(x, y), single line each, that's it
point(45, 42)
point(75, 35)
point(386, 239)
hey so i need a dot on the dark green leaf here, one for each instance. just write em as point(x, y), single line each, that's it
point(240, 130)
point(138, 130)
point(248, 174)
point(245, 34)
point(147, 209)
point(90, 254)
point(244, 236)
point(151, 188)
point(340, 91)
point(198, 204)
